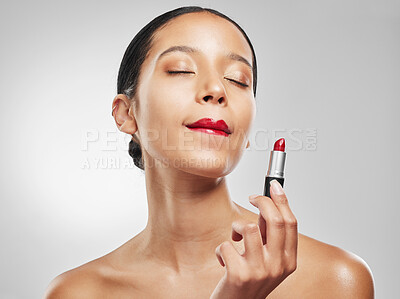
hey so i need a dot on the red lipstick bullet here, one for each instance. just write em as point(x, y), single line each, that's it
point(280, 145)
point(276, 166)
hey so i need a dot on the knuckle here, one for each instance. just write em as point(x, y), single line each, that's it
point(292, 222)
point(259, 275)
point(245, 278)
point(291, 265)
point(278, 221)
point(235, 224)
point(277, 269)
point(282, 199)
point(277, 272)
point(224, 246)
point(251, 228)
point(257, 199)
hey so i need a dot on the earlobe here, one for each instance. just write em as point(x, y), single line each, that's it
point(123, 116)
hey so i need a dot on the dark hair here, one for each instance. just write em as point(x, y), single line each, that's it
point(136, 53)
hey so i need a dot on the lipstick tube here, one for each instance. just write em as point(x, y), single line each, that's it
point(276, 166)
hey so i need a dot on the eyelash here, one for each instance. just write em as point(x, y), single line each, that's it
point(187, 72)
point(237, 82)
point(180, 72)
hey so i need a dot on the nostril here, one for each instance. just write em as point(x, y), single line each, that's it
point(206, 98)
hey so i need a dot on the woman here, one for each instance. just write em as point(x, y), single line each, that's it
point(188, 64)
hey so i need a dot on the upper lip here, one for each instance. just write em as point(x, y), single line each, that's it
point(210, 123)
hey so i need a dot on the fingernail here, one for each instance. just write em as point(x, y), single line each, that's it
point(277, 188)
point(251, 197)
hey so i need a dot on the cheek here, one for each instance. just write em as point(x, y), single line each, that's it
point(166, 100)
point(163, 113)
point(245, 116)
point(157, 102)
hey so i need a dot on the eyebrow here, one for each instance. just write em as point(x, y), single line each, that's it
point(186, 49)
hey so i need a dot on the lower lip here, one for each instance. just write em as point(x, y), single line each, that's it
point(209, 131)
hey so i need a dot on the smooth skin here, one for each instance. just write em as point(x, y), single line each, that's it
point(198, 243)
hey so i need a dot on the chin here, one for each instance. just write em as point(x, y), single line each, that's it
point(206, 164)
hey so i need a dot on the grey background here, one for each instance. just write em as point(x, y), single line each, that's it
point(329, 66)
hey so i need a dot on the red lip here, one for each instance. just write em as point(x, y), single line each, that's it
point(210, 123)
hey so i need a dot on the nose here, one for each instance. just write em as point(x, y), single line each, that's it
point(212, 90)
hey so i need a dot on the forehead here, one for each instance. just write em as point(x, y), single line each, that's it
point(202, 30)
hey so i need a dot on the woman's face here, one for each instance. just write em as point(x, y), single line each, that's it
point(216, 83)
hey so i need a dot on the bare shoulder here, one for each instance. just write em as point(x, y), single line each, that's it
point(338, 272)
point(104, 277)
point(81, 282)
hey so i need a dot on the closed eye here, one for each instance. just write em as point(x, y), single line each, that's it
point(237, 82)
point(180, 72)
point(189, 72)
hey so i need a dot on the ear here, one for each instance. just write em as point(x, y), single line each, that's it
point(248, 144)
point(123, 114)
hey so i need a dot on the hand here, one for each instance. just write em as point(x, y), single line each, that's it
point(270, 250)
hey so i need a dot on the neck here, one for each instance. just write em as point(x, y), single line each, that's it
point(189, 216)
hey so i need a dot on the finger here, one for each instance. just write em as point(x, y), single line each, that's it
point(275, 231)
point(252, 238)
point(280, 200)
point(261, 223)
point(228, 256)
point(263, 228)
